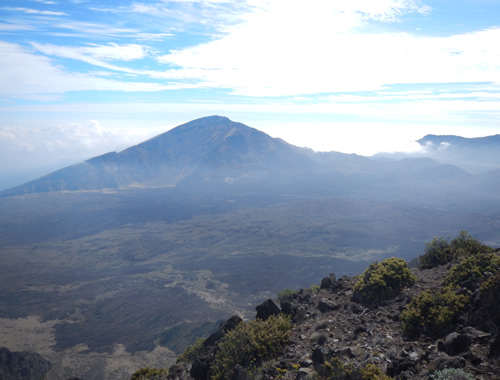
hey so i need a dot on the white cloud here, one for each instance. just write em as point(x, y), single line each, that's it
point(35, 11)
point(14, 27)
point(291, 48)
point(31, 76)
point(45, 145)
point(94, 29)
point(97, 55)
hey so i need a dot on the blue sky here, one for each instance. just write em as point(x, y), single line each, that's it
point(81, 78)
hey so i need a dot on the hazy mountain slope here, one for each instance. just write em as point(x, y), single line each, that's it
point(216, 149)
point(476, 155)
point(208, 148)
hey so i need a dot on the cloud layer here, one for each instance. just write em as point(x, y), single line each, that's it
point(274, 48)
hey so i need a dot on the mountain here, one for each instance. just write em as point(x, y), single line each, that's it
point(216, 151)
point(476, 155)
point(210, 148)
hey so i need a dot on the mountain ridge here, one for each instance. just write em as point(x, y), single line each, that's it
point(219, 150)
point(208, 148)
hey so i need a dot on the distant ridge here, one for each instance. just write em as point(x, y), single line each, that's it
point(475, 154)
point(219, 151)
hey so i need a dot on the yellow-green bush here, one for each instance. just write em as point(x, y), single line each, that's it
point(489, 291)
point(249, 344)
point(147, 373)
point(372, 372)
point(441, 251)
point(473, 267)
point(286, 294)
point(192, 351)
point(384, 280)
point(433, 311)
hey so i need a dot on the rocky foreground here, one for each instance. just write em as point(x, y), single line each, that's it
point(437, 323)
point(329, 325)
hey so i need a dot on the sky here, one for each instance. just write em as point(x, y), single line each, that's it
point(79, 78)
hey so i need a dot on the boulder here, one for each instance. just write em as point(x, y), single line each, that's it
point(305, 374)
point(328, 282)
point(267, 308)
point(318, 356)
point(224, 327)
point(200, 368)
point(475, 334)
point(345, 352)
point(288, 309)
point(398, 366)
point(456, 343)
point(325, 305)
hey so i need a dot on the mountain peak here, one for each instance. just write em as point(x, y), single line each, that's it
point(209, 148)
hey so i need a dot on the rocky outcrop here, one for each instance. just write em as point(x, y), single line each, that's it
point(329, 326)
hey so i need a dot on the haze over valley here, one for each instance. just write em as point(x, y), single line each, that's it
point(130, 256)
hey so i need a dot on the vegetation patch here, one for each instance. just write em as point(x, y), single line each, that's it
point(192, 352)
point(442, 251)
point(149, 374)
point(250, 344)
point(384, 280)
point(286, 294)
point(433, 311)
point(452, 374)
point(473, 267)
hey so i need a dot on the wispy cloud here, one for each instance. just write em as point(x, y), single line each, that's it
point(31, 76)
point(35, 11)
point(95, 29)
point(94, 53)
point(15, 26)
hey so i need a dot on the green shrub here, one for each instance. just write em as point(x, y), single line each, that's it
point(452, 374)
point(147, 373)
point(384, 280)
point(372, 372)
point(491, 285)
point(442, 251)
point(315, 288)
point(191, 352)
point(437, 252)
point(473, 267)
point(465, 245)
point(249, 344)
point(286, 294)
point(489, 291)
point(335, 369)
point(433, 311)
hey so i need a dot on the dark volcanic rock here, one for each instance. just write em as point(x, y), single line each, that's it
point(267, 308)
point(327, 282)
point(224, 327)
point(456, 343)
